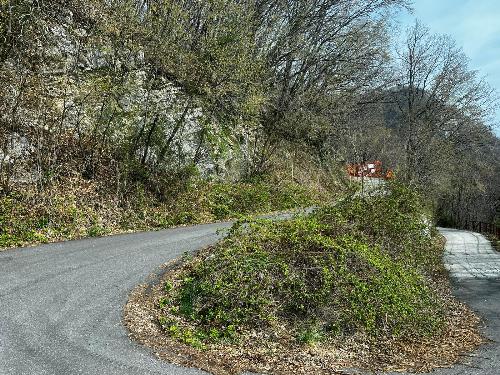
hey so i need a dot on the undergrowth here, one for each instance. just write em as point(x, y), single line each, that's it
point(358, 267)
point(75, 208)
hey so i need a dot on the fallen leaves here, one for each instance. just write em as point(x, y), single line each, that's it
point(459, 337)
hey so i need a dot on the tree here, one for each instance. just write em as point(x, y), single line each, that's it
point(436, 95)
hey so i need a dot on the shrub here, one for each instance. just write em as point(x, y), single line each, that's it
point(343, 269)
point(78, 208)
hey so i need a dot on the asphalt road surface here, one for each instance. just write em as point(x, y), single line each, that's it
point(61, 304)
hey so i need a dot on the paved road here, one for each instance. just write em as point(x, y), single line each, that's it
point(475, 270)
point(60, 304)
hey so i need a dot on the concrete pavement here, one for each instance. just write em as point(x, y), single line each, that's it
point(470, 256)
point(475, 271)
point(475, 277)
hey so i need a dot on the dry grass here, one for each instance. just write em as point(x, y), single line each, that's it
point(75, 208)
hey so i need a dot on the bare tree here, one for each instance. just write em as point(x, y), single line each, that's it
point(436, 95)
point(318, 56)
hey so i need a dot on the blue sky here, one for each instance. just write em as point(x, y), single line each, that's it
point(474, 24)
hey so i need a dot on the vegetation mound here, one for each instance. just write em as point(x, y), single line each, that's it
point(359, 267)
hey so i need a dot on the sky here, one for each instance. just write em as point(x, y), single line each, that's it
point(475, 26)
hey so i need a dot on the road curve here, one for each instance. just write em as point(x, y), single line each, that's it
point(61, 304)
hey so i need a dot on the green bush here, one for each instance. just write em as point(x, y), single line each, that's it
point(346, 268)
point(76, 209)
